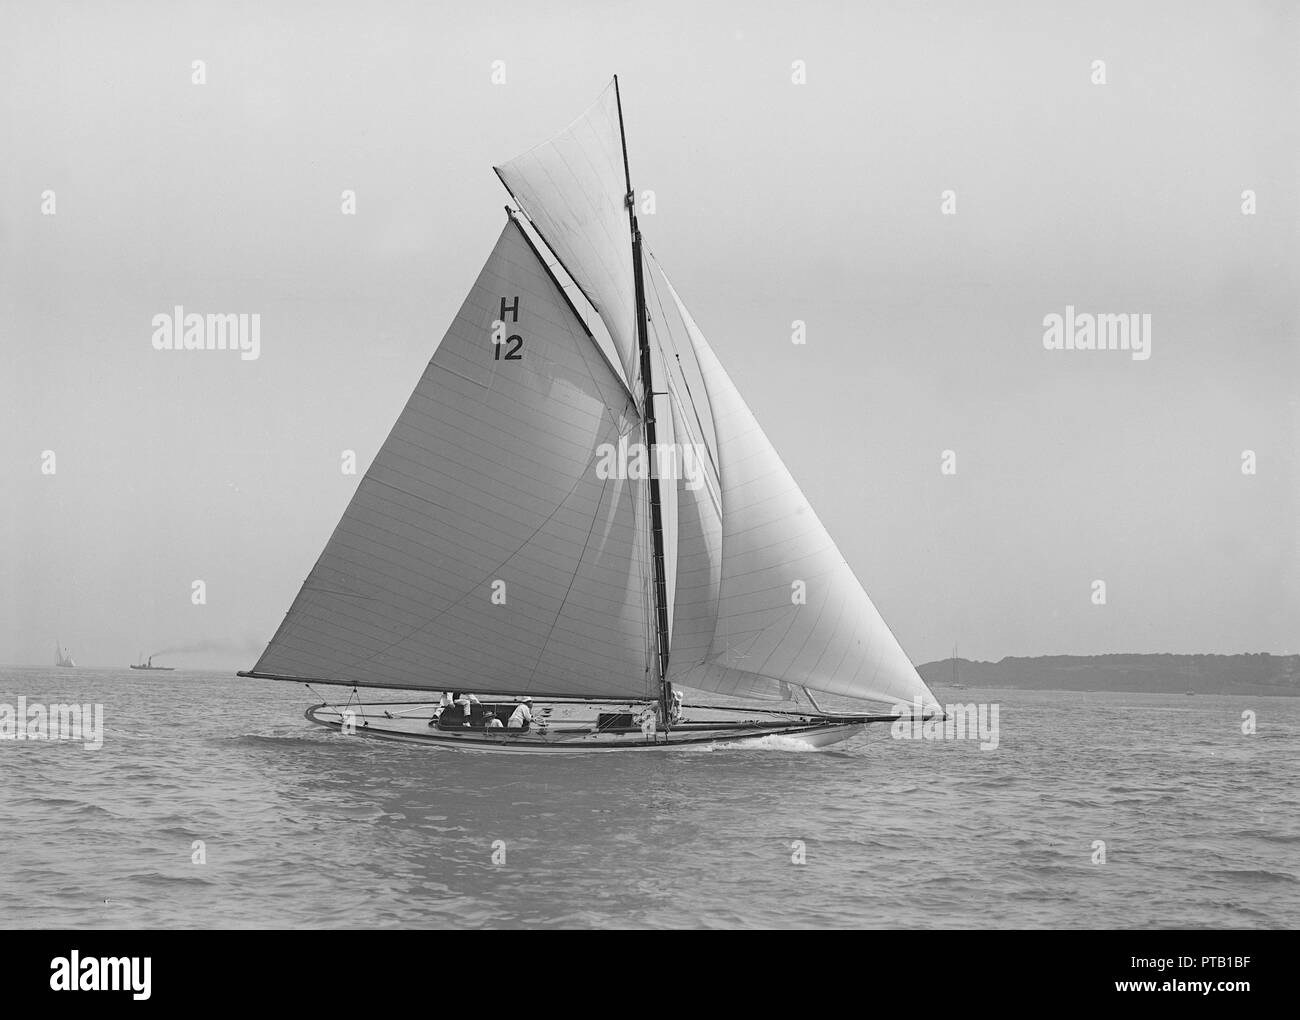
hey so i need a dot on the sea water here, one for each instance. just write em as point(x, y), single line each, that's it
point(212, 802)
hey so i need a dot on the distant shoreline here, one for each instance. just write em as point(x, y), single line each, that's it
point(1259, 673)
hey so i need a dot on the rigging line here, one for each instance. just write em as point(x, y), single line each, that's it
point(713, 485)
point(572, 580)
point(646, 361)
point(559, 286)
point(317, 694)
point(533, 224)
point(647, 598)
point(704, 439)
point(648, 575)
point(628, 401)
point(423, 707)
point(685, 382)
point(647, 607)
point(518, 549)
point(676, 403)
point(647, 588)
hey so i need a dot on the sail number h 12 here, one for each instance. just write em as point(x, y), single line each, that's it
point(499, 337)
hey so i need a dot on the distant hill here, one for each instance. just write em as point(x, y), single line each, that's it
point(1258, 673)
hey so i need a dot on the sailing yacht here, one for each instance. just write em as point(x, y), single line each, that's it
point(63, 657)
point(490, 548)
point(955, 685)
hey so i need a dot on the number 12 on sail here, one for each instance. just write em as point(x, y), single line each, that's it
point(514, 341)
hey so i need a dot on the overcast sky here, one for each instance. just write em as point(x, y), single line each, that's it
point(775, 202)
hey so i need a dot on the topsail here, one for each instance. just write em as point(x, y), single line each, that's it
point(572, 189)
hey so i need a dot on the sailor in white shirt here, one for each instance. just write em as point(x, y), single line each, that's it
point(468, 703)
point(522, 717)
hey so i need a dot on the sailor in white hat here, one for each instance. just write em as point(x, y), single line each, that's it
point(522, 717)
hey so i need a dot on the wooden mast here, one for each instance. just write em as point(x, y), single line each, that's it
point(648, 418)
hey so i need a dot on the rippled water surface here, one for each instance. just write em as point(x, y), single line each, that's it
point(305, 827)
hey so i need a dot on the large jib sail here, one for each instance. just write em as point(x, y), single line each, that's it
point(765, 600)
point(483, 550)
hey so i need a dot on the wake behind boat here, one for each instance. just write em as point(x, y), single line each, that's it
point(585, 518)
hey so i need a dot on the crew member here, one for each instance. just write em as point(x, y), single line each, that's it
point(522, 717)
point(444, 703)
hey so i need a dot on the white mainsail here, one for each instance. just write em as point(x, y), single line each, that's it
point(482, 550)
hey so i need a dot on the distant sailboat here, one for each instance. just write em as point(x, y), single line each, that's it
point(62, 657)
point(509, 540)
point(143, 664)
